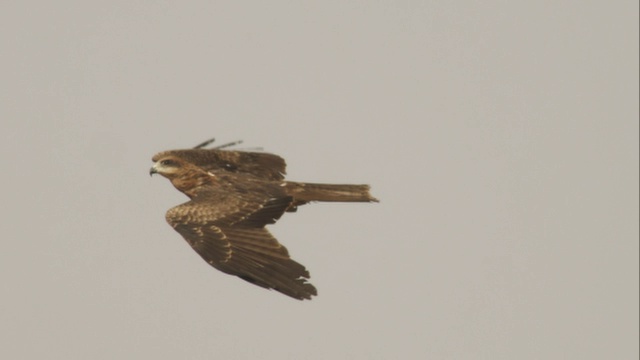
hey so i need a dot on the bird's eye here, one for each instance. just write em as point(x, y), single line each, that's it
point(167, 162)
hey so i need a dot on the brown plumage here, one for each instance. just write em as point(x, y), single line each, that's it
point(234, 195)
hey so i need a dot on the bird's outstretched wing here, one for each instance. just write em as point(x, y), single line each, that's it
point(262, 165)
point(231, 237)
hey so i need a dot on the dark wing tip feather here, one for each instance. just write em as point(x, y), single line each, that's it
point(250, 253)
point(299, 289)
point(260, 259)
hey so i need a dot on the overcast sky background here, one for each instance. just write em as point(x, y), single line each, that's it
point(501, 138)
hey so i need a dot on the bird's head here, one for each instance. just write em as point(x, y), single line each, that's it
point(168, 166)
point(184, 175)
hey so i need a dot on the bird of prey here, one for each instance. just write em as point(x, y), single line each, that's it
point(233, 196)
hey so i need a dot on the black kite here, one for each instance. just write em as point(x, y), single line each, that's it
point(234, 195)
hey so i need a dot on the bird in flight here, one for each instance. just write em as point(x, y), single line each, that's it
point(233, 196)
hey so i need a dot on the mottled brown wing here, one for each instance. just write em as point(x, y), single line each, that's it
point(231, 237)
point(262, 165)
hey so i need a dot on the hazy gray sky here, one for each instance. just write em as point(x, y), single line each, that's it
point(501, 138)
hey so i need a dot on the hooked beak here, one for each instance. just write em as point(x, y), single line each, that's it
point(153, 170)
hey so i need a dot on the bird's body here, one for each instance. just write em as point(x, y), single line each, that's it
point(233, 196)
